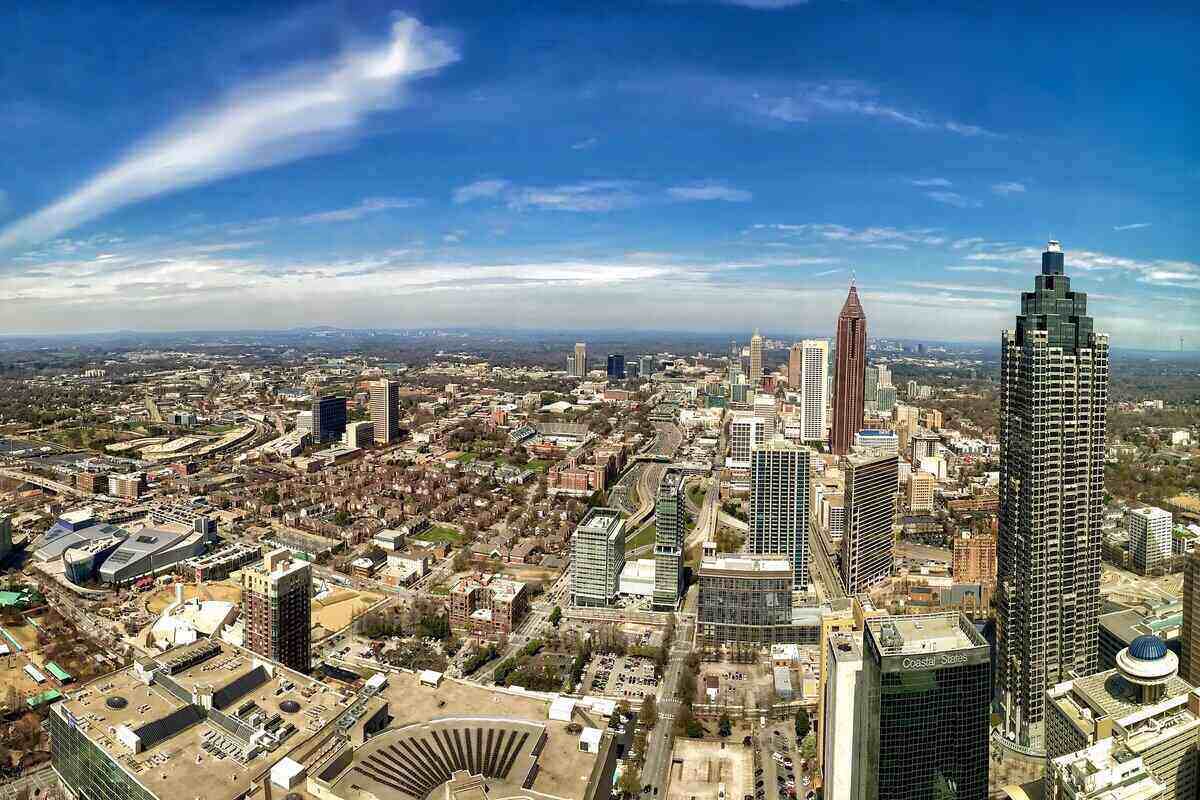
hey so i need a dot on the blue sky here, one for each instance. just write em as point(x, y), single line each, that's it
point(672, 165)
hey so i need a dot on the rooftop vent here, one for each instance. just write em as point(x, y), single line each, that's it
point(116, 702)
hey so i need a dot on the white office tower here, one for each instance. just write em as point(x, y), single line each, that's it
point(597, 558)
point(843, 707)
point(766, 408)
point(1053, 413)
point(1149, 537)
point(813, 392)
point(746, 431)
point(780, 504)
point(756, 359)
point(580, 360)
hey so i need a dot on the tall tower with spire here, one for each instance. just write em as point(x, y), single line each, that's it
point(756, 360)
point(1053, 412)
point(849, 373)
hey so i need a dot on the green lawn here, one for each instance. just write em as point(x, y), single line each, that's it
point(640, 539)
point(465, 458)
point(696, 493)
point(538, 464)
point(440, 533)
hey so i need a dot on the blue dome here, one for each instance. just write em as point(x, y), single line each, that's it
point(1148, 648)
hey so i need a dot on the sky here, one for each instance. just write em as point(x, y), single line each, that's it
point(703, 166)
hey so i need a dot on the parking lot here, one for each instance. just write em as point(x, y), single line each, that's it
point(620, 677)
point(789, 776)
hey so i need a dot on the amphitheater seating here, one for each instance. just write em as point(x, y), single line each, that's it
point(416, 759)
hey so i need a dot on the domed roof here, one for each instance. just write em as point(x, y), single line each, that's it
point(1148, 647)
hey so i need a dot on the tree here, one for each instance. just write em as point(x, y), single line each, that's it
point(803, 724)
point(341, 518)
point(724, 726)
point(631, 781)
point(648, 715)
point(555, 616)
point(808, 747)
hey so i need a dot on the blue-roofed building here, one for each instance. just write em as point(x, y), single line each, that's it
point(152, 551)
point(75, 529)
point(883, 442)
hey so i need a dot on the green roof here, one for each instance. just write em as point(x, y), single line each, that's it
point(45, 697)
point(11, 598)
point(59, 672)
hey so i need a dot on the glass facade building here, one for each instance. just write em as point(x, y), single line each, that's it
point(85, 768)
point(927, 693)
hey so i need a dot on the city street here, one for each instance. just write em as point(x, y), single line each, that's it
point(656, 770)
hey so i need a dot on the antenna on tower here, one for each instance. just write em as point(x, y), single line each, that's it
point(852, 274)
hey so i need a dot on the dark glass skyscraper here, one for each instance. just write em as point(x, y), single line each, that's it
point(1053, 399)
point(927, 694)
point(328, 418)
point(616, 367)
point(849, 374)
point(670, 530)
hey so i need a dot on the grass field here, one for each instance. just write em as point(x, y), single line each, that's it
point(642, 538)
point(440, 533)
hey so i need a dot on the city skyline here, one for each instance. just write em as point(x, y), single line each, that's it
point(432, 178)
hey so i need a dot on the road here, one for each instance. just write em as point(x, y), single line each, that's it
point(657, 767)
point(706, 516)
point(531, 627)
point(670, 437)
point(822, 569)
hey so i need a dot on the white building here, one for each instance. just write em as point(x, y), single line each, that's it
point(813, 393)
point(746, 431)
point(1149, 537)
point(843, 704)
point(637, 579)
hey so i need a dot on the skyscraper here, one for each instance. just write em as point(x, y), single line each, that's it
point(1149, 537)
point(277, 599)
point(5, 536)
point(871, 384)
point(1189, 637)
point(813, 389)
point(849, 374)
point(597, 557)
point(870, 500)
point(580, 360)
point(795, 366)
point(1053, 399)
point(647, 366)
point(756, 359)
point(328, 418)
point(746, 431)
point(616, 367)
point(670, 528)
point(385, 410)
point(780, 500)
point(926, 682)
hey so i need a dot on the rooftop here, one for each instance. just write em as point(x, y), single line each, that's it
point(740, 563)
point(922, 634)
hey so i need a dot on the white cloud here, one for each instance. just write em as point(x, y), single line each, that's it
point(479, 190)
point(370, 205)
point(1160, 272)
point(992, 270)
point(969, 130)
point(969, 241)
point(930, 182)
point(958, 287)
point(709, 191)
point(586, 144)
point(453, 237)
point(1007, 188)
point(865, 236)
point(265, 123)
point(953, 199)
point(587, 196)
point(1132, 227)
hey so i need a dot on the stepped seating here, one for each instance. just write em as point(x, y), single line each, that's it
point(416, 759)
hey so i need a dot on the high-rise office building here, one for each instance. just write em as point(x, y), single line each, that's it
point(747, 598)
point(813, 389)
point(571, 365)
point(633, 369)
point(795, 366)
point(580, 360)
point(780, 504)
point(277, 608)
point(926, 681)
point(670, 515)
point(328, 418)
point(616, 367)
point(885, 374)
point(1053, 401)
point(849, 374)
point(921, 488)
point(1149, 537)
point(1189, 637)
point(887, 399)
point(842, 707)
point(385, 410)
point(597, 557)
point(756, 359)
point(871, 384)
point(647, 366)
point(5, 536)
point(870, 500)
point(746, 431)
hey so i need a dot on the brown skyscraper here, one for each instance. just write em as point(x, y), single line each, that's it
point(849, 374)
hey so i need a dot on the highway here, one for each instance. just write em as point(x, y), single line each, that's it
point(657, 767)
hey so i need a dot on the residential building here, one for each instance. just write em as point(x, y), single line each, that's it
point(1053, 401)
point(780, 504)
point(747, 599)
point(756, 359)
point(1189, 637)
point(921, 489)
point(870, 500)
point(277, 609)
point(1149, 538)
point(580, 360)
point(814, 395)
point(328, 418)
point(746, 431)
point(1142, 706)
point(647, 369)
point(616, 367)
point(974, 558)
point(849, 374)
point(795, 366)
point(927, 686)
point(871, 386)
point(385, 411)
point(597, 557)
point(130, 486)
point(487, 606)
point(887, 399)
point(670, 516)
point(1104, 771)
